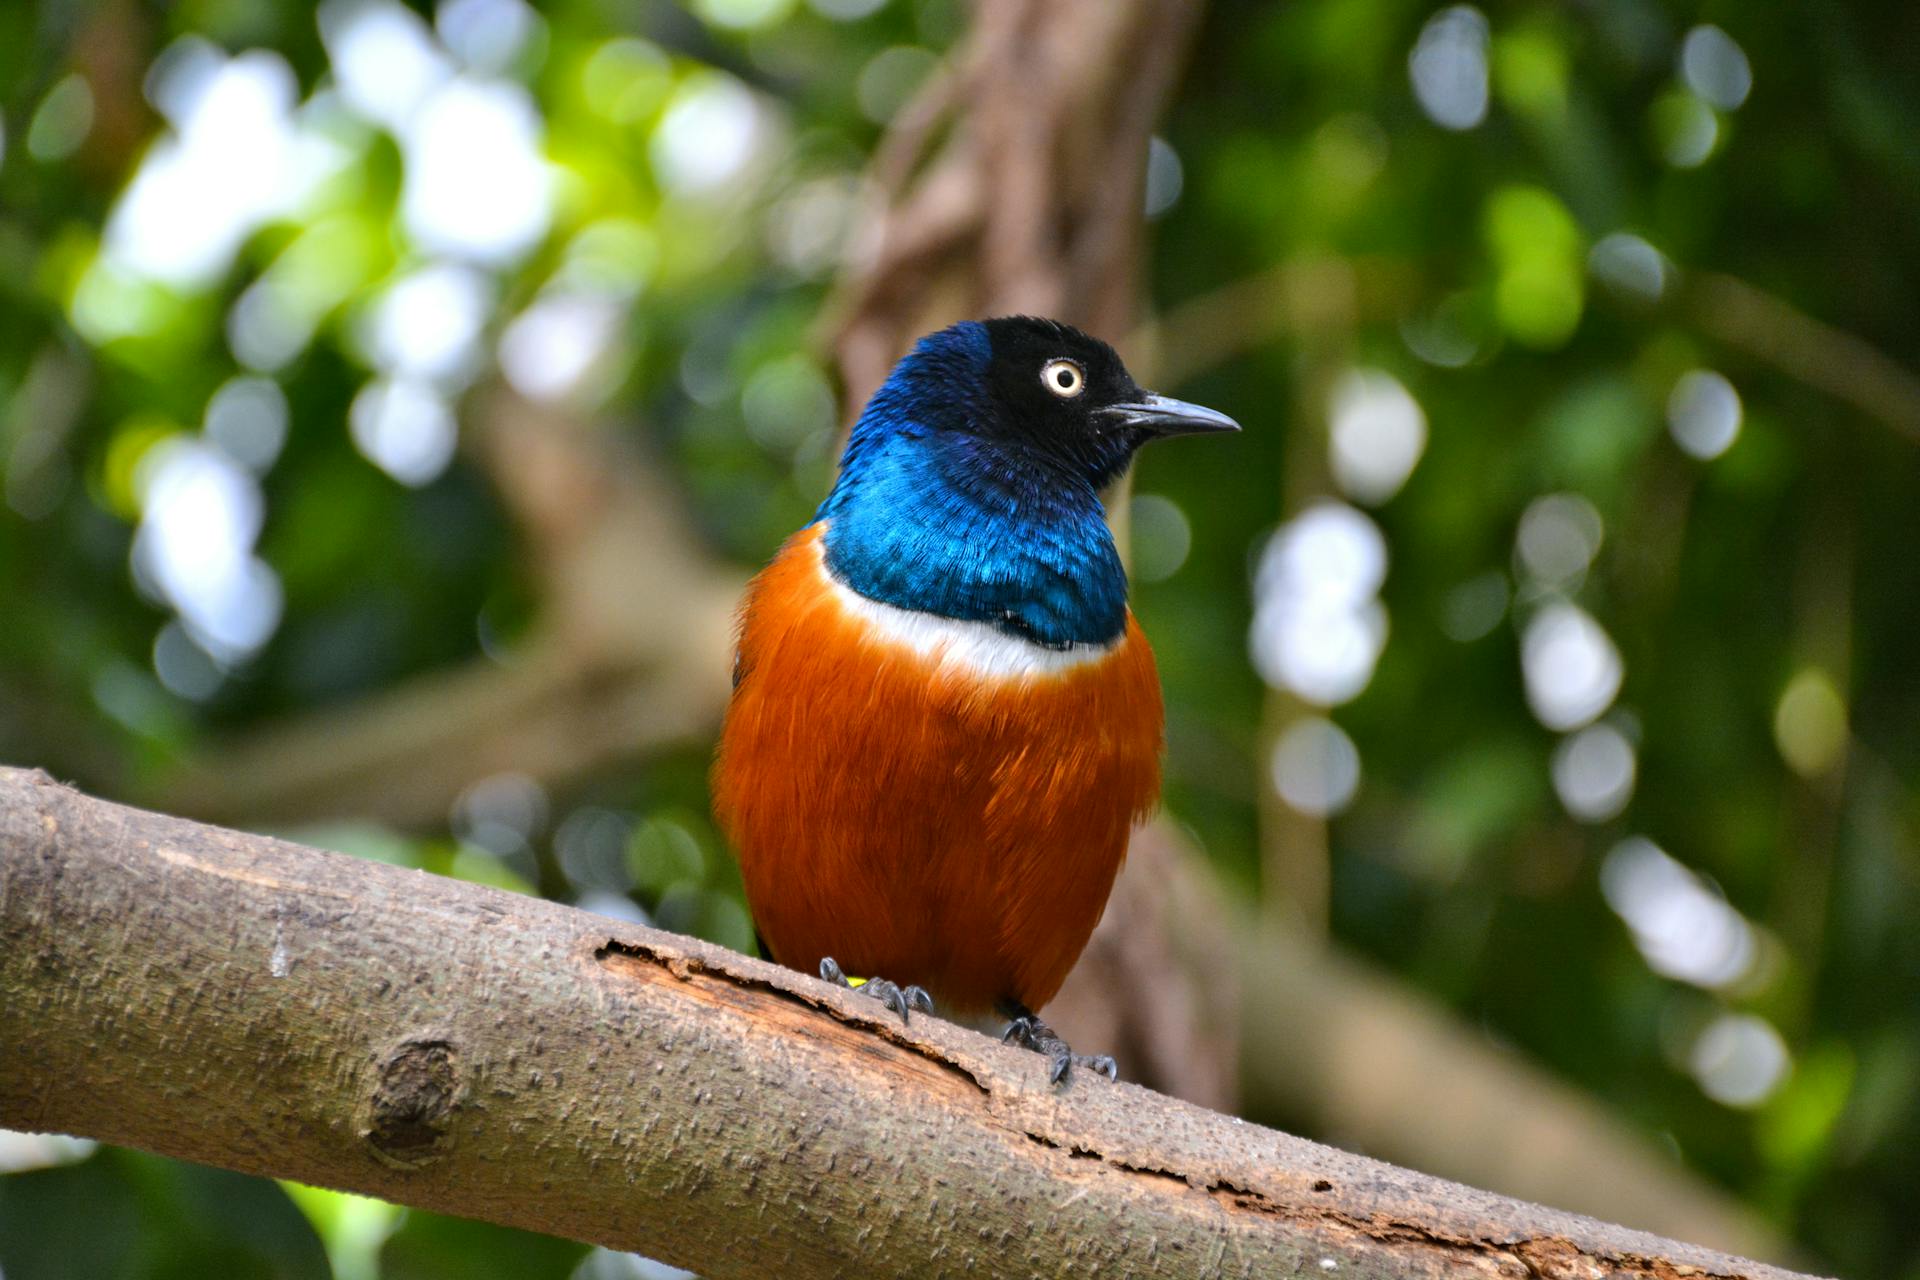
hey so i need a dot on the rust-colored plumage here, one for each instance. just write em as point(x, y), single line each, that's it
point(916, 817)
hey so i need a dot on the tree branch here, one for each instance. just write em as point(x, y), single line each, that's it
point(1843, 365)
point(246, 1002)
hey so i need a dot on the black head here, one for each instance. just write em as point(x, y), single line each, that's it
point(1066, 397)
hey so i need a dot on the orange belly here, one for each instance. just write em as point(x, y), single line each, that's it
point(917, 810)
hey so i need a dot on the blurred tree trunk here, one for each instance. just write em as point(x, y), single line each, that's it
point(1015, 182)
point(248, 1003)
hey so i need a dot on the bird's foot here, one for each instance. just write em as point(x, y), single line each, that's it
point(892, 995)
point(1029, 1032)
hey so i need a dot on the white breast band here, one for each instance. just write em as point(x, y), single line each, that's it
point(976, 647)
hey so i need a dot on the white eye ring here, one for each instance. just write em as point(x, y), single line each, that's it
point(1065, 378)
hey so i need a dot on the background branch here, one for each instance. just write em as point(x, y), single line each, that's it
point(1351, 1053)
point(630, 653)
point(1843, 365)
point(246, 1002)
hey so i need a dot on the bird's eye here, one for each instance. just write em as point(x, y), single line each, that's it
point(1064, 378)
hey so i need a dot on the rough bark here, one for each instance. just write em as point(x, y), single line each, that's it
point(246, 1002)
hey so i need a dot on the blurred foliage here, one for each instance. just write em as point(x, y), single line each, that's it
point(232, 493)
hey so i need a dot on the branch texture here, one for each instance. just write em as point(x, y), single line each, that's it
point(246, 1002)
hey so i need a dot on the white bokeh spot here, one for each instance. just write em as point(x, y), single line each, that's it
point(477, 183)
point(1629, 264)
point(1715, 67)
point(1683, 927)
point(427, 323)
point(384, 59)
point(1316, 767)
point(405, 427)
point(1318, 626)
point(1739, 1060)
point(201, 514)
point(1448, 67)
point(1594, 771)
point(708, 137)
point(1571, 668)
point(1378, 434)
point(1703, 413)
point(1558, 538)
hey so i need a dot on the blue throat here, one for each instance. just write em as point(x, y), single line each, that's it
point(930, 517)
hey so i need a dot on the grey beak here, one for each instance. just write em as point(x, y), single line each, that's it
point(1165, 416)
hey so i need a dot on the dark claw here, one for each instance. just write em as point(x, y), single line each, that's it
point(1025, 1031)
point(890, 995)
point(887, 994)
point(1029, 1032)
point(1061, 1064)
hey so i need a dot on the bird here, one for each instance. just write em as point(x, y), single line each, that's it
point(945, 720)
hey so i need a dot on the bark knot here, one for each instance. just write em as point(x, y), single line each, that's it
point(410, 1111)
